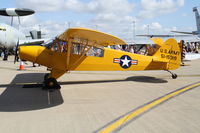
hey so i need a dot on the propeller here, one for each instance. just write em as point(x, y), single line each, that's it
point(16, 52)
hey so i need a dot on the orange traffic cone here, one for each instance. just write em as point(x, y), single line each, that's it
point(21, 66)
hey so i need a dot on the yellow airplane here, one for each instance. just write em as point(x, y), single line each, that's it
point(80, 49)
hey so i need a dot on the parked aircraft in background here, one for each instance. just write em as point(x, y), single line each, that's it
point(16, 12)
point(197, 17)
point(189, 35)
point(9, 36)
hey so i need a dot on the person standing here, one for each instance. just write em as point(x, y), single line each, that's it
point(5, 52)
point(196, 47)
point(183, 51)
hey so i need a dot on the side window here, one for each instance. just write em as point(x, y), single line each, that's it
point(97, 52)
point(55, 47)
point(79, 49)
point(76, 48)
point(63, 46)
point(86, 47)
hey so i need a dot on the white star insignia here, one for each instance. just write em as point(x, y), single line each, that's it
point(125, 61)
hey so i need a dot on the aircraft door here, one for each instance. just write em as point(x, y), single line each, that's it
point(58, 54)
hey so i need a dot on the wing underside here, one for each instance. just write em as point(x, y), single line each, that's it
point(182, 32)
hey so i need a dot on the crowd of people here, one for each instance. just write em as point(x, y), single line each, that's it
point(191, 47)
point(4, 53)
point(150, 49)
point(144, 49)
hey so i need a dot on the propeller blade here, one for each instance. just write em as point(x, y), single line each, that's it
point(16, 51)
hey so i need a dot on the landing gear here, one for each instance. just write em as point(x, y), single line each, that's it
point(174, 76)
point(50, 83)
point(46, 76)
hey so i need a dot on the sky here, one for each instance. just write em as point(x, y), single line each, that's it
point(122, 18)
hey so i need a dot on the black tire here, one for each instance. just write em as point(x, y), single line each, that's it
point(51, 83)
point(46, 76)
point(174, 76)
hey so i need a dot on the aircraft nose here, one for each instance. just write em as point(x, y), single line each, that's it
point(28, 53)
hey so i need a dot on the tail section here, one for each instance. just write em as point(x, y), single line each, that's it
point(168, 52)
point(197, 18)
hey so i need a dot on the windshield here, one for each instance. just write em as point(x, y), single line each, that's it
point(48, 43)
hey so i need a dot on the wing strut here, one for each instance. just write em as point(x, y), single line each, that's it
point(68, 52)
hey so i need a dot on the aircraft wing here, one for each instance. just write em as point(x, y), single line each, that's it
point(102, 39)
point(151, 36)
point(191, 33)
point(32, 41)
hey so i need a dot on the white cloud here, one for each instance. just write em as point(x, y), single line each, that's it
point(184, 15)
point(152, 26)
point(155, 8)
point(114, 6)
point(104, 10)
point(52, 29)
point(105, 13)
point(73, 5)
point(156, 25)
point(112, 17)
point(29, 20)
point(42, 5)
point(94, 6)
point(174, 29)
point(5, 19)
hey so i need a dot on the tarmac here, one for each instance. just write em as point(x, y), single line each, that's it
point(96, 101)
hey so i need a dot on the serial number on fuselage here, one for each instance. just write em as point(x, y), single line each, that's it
point(170, 57)
point(169, 54)
point(167, 51)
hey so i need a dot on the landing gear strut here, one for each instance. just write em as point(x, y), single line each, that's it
point(50, 83)
point(174, 76)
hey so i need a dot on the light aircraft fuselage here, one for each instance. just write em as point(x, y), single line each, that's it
point(80, 49)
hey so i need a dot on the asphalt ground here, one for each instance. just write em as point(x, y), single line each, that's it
point(92, 102)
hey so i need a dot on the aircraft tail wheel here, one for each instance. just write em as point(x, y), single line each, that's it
point(174, 76)
point(51, 83)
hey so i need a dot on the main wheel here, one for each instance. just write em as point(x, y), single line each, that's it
point(174, 76)
point(46, 76)
point(51, 83)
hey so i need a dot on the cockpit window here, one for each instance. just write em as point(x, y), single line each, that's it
point(56, 45)
point(97, 52)
point(48, 44)
point(78, 47)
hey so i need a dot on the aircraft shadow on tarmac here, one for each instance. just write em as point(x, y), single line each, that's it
point(144, 79)
point(18, 97)
point(24, 93)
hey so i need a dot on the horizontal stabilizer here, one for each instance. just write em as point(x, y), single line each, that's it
point(158, 41)
point(191, 33)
